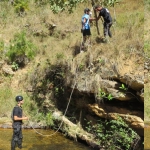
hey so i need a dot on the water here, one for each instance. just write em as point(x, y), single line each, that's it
point(34, 141)
point(147, 138)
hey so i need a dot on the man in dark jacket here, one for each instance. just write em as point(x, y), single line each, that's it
point(107, 19)
point(17, 124)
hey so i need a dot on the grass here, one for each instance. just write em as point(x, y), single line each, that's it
point(146, 103)
point(61, 46)
point(147, 54)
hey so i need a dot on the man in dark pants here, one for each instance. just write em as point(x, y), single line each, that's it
point(17, 124)
point(104, 12)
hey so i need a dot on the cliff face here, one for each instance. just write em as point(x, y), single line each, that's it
point(111, 89)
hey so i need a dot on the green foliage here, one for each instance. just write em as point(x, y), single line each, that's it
point(109, 97)
point(147, 48)
point(60, 55)
point(41, 2)
point(21, 5)
point(61, 5)
point(103, 95)
point(114, 134)
point(123, 87)
point(101, 61)
point(20, 46)
point(110, 2)
point(49, 119)
point(1, 46)
point(5, 98)
point(82, 67)
point(14, 66)
point(3, 15)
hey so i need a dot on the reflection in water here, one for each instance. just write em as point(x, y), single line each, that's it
point(147, 138)
point(33, 141)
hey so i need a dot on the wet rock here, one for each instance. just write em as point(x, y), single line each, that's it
point(133, 118)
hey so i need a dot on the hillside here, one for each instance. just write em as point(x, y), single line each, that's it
point(147, 62)
point(104, 82)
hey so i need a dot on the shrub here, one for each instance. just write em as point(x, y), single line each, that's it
point(21, 49)
point(114, 134)
point(20, 6)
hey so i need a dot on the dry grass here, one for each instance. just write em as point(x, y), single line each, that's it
point(147, 51)
point(127, 38)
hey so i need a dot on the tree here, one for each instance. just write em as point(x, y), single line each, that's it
point(61, 5)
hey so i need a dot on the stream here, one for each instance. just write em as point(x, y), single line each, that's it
point(147, 138)
point(34, 141)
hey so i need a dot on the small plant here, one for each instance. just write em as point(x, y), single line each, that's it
point(59, 55)
point(123, 87)
point(41, 2)
point(49, 119)
point(109, 97)
point(1, 46)
point(81, 67)
point(20, 6)
point(101, 61)
point(103, 95)
point(15, 66)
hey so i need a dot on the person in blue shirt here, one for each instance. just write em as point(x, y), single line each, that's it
point(85, 29)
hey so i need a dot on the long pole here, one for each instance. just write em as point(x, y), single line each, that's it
point(95, 14)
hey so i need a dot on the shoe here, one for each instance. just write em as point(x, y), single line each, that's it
point(106, 40)
point(20, 147)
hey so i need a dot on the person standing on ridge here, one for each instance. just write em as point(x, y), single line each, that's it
point(107, 19)
point(17, 123)
point(85, 29)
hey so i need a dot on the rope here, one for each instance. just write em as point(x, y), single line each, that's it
point(48, 135)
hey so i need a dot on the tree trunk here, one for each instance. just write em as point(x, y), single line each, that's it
point(74, 131)
point(95, 14)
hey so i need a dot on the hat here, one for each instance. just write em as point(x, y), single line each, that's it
point(19, 98)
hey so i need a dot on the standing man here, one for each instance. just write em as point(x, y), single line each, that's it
point(107, 19)
point(85, 29)
point(17, 124)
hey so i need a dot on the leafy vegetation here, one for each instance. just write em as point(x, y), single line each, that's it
point(123, 87)
point(21, 6)
point(20, 48)
point(113, 135)
point(56, 49)
point(103, 95)
point(15, 66)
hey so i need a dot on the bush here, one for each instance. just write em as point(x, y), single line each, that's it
point(21, 50)
point(114, 134)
